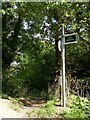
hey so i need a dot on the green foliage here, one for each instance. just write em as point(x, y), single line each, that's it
point(79, 107)
point(78, 59)
point(31, 72)
point(29, 31)
point(44, 95)
point(75, 113)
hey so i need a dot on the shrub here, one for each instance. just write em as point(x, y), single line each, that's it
point(80, 108)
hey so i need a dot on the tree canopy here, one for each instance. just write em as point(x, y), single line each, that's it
point(30, 35)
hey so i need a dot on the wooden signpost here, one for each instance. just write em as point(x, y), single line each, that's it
point(65, 39)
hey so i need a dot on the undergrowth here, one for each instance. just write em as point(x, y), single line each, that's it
point(79, 107)
point(46, 110)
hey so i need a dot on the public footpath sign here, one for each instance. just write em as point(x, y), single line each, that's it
point(71, 38)
point(65, 39)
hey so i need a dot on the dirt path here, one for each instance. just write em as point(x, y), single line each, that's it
point(7, 112)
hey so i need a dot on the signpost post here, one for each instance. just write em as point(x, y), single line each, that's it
point(63, 66)
point(65, 39)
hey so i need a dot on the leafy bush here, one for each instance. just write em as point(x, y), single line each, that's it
point(80, 107)
point(75, 113)
point(31, 71)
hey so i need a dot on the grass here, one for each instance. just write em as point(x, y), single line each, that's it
point(46, 110)
point(15, 107)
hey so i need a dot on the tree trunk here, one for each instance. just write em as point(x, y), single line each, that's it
point(58, 79)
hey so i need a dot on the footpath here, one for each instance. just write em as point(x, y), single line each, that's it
point(7, 112)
